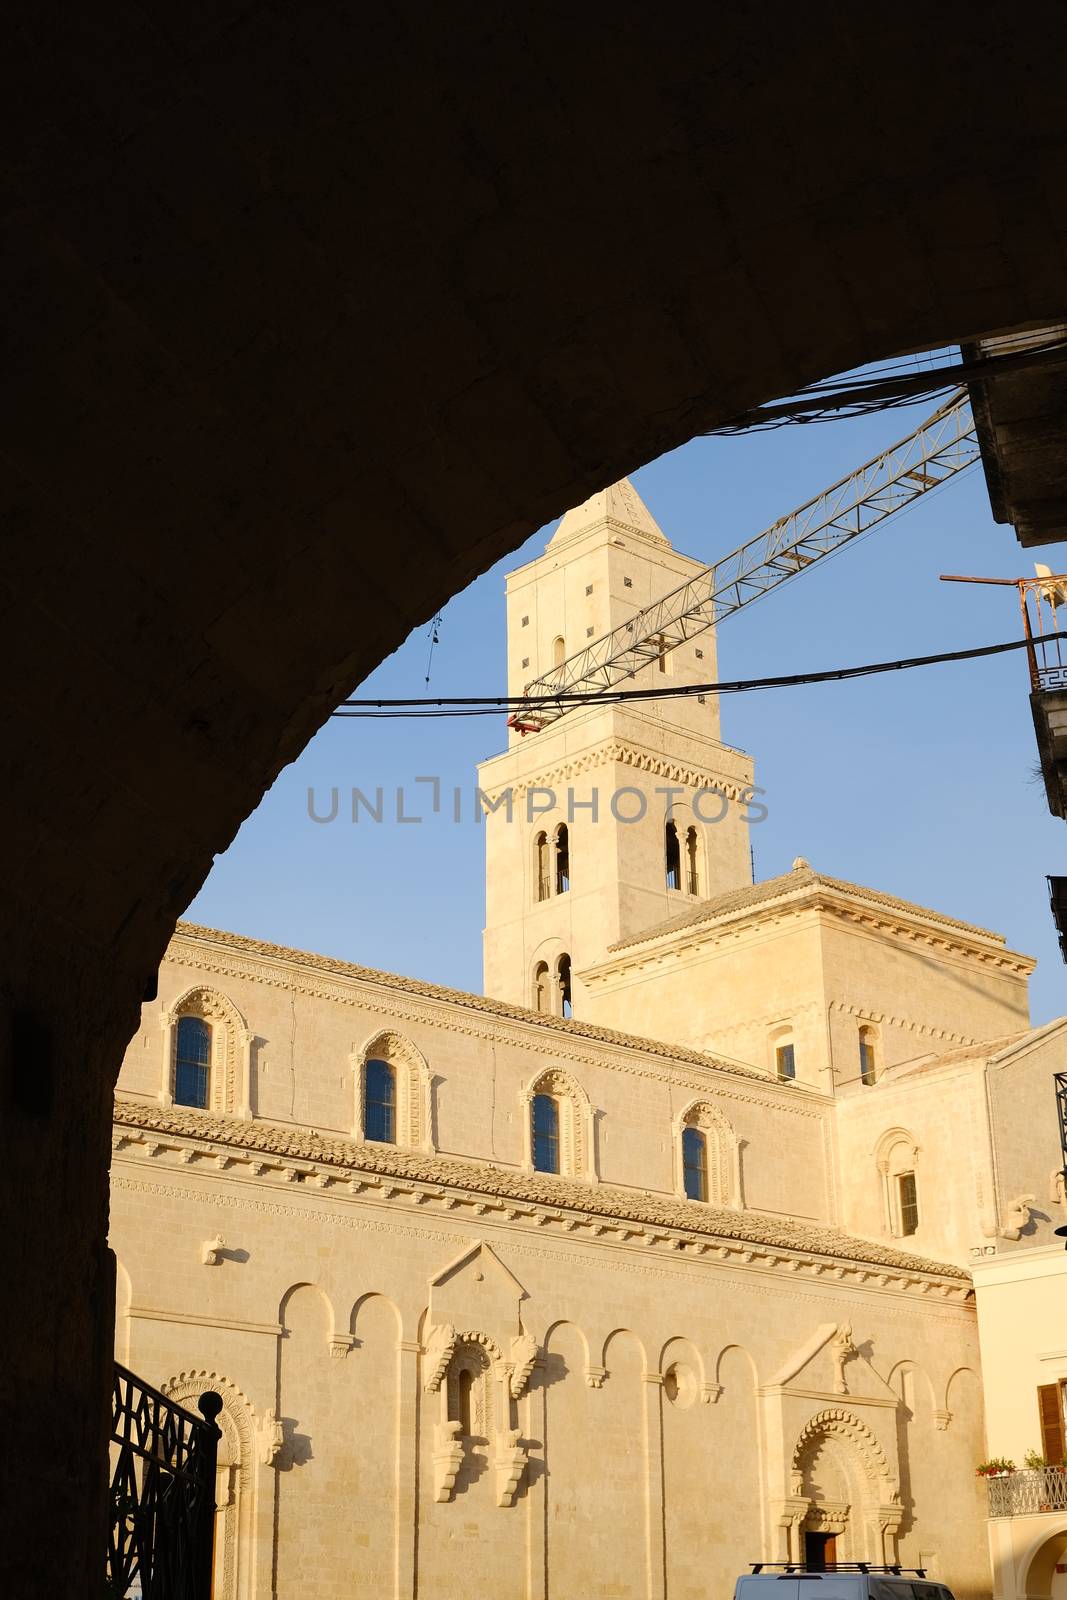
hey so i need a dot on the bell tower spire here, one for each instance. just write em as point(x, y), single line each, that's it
point(613, 818)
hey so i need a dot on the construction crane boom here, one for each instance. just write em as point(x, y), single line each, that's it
point(940, 448)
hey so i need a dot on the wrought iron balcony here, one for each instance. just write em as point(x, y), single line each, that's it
point(163, 1458)
point(1029, 1492)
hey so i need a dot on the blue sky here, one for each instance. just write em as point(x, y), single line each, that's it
point(919, 783)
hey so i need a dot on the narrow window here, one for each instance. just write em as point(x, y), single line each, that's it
point(379, 1117)
point(674, 857)
point(544, 883)
point(1053, 1430)
point(563, 859)
point(908, 1201)
point(563, 978)
point(692, 872)
point(463, 1391)
point(868, 1066)
point(540, 987)
point(695, 1163)
point(192, 1062)
point(559, 651)
point(545, 1133)
point(786, 1061)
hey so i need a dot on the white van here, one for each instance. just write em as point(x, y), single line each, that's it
point(854, 1581)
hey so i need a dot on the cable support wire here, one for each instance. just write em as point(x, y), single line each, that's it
point(492, 705)
point(883, 391)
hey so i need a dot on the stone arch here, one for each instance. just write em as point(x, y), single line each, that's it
point(839, 1423)
point(235, 1478)
point(572, 1327)
point(329, 1318)
point(575, 1122)
point(722, 1149)
point(739, 1349)
point(962, 1380)
point(412, 1079)
point(1038, 1564)
point(922, 1404)
point(896, 1151)
point(229, 1081)
point(381, 1299)
point(681, 1356)
point(619, 1336)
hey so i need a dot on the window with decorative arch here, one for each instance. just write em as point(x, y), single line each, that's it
point(235, 1476)
point(542, 874)
point(562, 842)
point(692, 861)
point(868, 1055)
point(672, 855)
point(896, 1156)
point(393, 1101)
point(541, 996)
point(207, 1054)
point(558, 1123)
point(708, 1156)
point(563, 985)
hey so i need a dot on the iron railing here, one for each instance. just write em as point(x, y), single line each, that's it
point(162, 1525)
point(1020, 1494)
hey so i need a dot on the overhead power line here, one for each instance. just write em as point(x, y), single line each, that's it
point(493, 705)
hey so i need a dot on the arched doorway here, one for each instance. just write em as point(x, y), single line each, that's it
point(845, 1499)
point(1044, 1575)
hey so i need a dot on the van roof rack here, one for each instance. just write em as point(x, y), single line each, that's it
point(787, 1568)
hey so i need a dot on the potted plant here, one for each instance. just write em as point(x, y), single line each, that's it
point(995, 1467)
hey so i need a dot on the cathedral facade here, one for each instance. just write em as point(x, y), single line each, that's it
point(651, 1262)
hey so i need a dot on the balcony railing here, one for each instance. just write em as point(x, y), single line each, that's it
point(162, 1494)
point(1023, 1494)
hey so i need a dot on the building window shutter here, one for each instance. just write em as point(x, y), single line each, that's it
point(1050, 1410)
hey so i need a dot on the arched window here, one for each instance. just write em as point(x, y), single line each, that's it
point(192, 1063)
point(692, 868)
point(379, 1103)
point(545, 1132)
point(563, 980)
point(559, 651)
point(541, 995)
point(464, 1386)
point(563, 859)
point(897, 1157)
point(868, 1056)
point(783, 1053)
point(695, 1163)
point(544, 882)
point(907, 1203)
point(673, 856)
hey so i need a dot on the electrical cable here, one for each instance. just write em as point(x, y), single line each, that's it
point(493, 705)
point(833, 397)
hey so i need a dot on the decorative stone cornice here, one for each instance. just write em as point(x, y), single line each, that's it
point(616, 752)
point(798, 892)
point(567, 1206)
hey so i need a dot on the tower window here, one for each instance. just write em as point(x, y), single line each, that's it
point(674, 856)
point(868, 1062)
point(907, 1202)
point(379, 1089)
point(692, 872)
point(544, 882)
point(786, 1062)
point(559, 651)
point(563, 859)
point(563, 979)
point(192, 1063)
point(545, 1114)
point(695, 1163)
point(540, 987)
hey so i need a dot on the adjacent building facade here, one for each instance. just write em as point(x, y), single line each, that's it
point(653, 1262)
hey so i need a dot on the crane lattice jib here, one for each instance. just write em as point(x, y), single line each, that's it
point(944, 444)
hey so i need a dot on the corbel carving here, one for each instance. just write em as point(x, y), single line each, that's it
point(447, 1459)
point(942, 1418)
point(594, 1376)
point(270, 1438)
point(211, 1251)
point(340, 1344)
point(1016, 1216)
point(524, 1352)
point(439, 1347)
point(509, 1464)
point(710, 1393)
point(842, 1350)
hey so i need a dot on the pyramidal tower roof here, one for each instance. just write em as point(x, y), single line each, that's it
point(619, 506)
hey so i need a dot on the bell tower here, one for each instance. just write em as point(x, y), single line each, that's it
point(614, 817)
